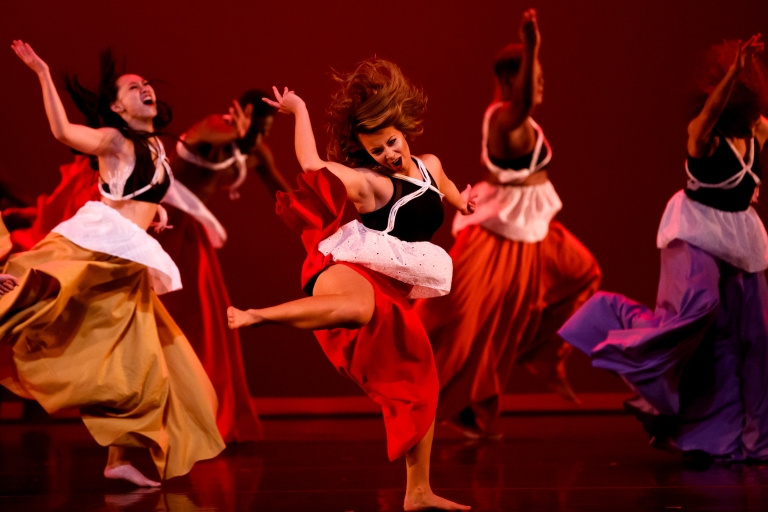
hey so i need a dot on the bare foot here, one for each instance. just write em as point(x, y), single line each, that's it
point(427, 500)
point(237, 318)
point(130, 473)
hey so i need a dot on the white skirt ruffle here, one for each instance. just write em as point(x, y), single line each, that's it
point(100, 228)
point(422, 264)
point(519, 213)
point(738, 238)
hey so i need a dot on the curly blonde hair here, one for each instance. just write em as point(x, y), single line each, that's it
point(373, 96)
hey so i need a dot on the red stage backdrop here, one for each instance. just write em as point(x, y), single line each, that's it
point(616, 75)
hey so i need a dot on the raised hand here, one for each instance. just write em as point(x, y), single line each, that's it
point(241, 119)
point(529, 29)
point(28, 55)
point(287, 103)
point(750, 49)
point(470, 201)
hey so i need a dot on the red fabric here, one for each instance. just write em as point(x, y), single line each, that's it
point(79, 184)
point(199, 308)
point(390, 357)
point(507, 301)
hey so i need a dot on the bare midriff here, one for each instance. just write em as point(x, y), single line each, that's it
point(536, 178)
point(139, 212)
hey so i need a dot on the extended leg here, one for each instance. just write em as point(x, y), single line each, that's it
point(341, 298)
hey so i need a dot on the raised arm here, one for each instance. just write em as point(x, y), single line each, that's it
point(358, 188)
point(464, 202)
point(762, 132)
point(517, 110)
point(267, 171)
point(87, 140)
point(700, 129)
point(219, 129)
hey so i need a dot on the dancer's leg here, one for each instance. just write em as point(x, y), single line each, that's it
point(120, 468)
point(418, 493)
point(341, 298)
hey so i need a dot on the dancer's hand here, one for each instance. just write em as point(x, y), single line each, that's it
point(287, 103)
point(529, 29)
point(28, 55)
point(750, 49)
point(469, 200)
point(7, 283)
point(162, 223)
point(241, 118)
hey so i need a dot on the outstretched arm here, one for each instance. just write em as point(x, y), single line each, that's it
point(700, 129)
point(762, 131)
point(267, 171)
point(464, 202)
point(358, 188)
point(517, 110)
point(81, 138)
point(218, 129)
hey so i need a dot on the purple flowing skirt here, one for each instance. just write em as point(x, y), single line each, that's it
point(699, 362)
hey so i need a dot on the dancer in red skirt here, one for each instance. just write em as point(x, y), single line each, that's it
point(360, 275)
point(518, 275)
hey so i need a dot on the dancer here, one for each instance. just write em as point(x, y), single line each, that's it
point(518, 274)
point(359, 275)
point(84, 327)
point(216, 153)
point(698, 362)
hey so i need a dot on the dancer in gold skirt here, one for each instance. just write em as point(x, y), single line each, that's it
point(82, 325)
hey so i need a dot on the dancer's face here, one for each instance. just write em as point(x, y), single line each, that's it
point(389, 148)
point(135, 98)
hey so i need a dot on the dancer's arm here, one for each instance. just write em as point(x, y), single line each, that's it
point(464, 202)
point(358, 189)
point(700, 129)
point(218, 129)
point(87, 140)
point(514, 113)
point(762, 131)
point(268, 171)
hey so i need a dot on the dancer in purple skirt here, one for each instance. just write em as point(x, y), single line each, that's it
point(699, 361)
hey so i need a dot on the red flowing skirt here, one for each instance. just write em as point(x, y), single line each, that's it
point(199, 309)
point(390, 357)
point(507, 301)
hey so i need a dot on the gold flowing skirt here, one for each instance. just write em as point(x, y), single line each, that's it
point(85, 330)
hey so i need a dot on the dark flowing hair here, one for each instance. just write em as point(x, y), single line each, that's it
point(508, 61)
point(261, 111)
point(373, 96)
point(749, 97)
point(96, 107)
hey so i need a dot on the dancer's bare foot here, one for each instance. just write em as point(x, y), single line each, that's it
point(421, 499)
point(128, 472)
point(7, 283)
point(237, 318)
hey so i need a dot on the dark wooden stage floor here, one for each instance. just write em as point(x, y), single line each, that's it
point(552, 462)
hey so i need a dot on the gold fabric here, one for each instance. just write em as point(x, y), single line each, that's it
point(84, 329)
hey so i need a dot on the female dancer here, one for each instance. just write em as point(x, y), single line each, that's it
point(698, 362)
point(360, 275)
point(83, 328)
point(213, 154)
point(518, 275)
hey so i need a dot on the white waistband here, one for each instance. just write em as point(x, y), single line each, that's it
point(738, 238)
point(422, 264)
point(100, 228)
point(519, 213)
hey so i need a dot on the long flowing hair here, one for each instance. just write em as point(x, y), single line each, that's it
point(373, 96)
point(749, 97)
point(96, 107)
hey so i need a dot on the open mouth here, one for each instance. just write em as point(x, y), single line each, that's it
point(398, 162)
point(148, 101)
